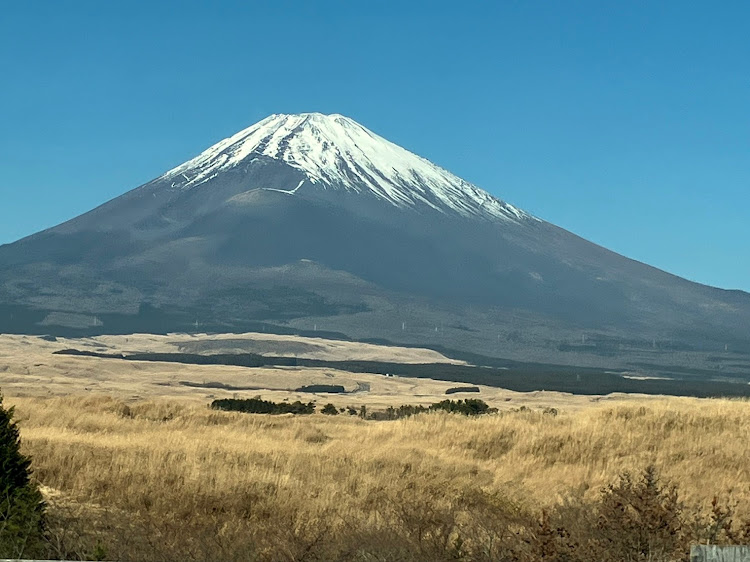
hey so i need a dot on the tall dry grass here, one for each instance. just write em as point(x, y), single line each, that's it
point(169, 480)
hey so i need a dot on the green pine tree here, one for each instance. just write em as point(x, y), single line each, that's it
point(21, 505)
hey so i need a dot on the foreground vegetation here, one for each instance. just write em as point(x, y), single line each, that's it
point(21, 505)
point(169, 481)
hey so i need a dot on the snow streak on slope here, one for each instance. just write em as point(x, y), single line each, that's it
point(339, 153)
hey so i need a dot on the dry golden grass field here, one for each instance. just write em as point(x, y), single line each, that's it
point(135, 469)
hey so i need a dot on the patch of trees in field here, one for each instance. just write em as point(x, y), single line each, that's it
point(457, 389)
point(256, 405)
point(468, 407)
point(259, 406)
point(323, 388)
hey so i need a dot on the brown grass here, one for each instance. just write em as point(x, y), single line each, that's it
point(170, 479)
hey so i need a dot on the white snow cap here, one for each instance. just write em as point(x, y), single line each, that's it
point(339, 153)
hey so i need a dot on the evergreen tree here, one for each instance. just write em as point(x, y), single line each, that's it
point(21, 505)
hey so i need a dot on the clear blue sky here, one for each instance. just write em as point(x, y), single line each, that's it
point(627, 122)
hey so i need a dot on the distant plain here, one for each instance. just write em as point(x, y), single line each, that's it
point(29, 367)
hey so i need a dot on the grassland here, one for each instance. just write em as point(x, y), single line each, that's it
point(171, 479)
point(135, 466)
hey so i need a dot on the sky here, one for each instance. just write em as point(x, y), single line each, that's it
point(627, 123)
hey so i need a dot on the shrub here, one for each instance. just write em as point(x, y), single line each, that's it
point(403, 411)
point(21, 505)
point(634, 519)
point(329, 409)
point(641, 519)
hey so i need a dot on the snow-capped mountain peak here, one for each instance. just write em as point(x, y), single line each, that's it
point(336, 152)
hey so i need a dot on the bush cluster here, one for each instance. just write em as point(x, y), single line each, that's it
point(330, 410)
point(259, 406)
point(635, 519)
point(468, 407)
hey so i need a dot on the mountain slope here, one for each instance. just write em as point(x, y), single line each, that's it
point(309, 221)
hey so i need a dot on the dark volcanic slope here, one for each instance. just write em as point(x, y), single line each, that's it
point(312, 222)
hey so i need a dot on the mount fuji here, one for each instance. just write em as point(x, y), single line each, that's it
point(312, 222)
